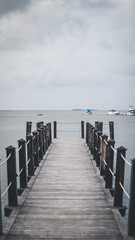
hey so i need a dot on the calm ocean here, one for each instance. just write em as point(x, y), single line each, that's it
point(13, 127)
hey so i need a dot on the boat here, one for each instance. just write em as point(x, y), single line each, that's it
point(89, 111)
point(113, 112)
point(40, 114)
point(131, 111)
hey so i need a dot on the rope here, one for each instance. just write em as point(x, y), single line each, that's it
point(34, 137)
point(27, 162)
point(105, 142)
point(68, 123)
point(104, 161)
point(129, 164)
point(19, 149)
point(69, 131)
point(124, 190)
point(20, 172)
point(27, 142)
point(6, 190)
point(113, 149)
point(5, 160)
point(111, 172)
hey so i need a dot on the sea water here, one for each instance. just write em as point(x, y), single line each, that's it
point(13, 127)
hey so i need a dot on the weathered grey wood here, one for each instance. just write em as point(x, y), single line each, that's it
point(66, 201)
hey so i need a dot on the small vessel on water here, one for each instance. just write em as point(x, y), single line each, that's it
point(131, 111)
point(113, 112)
point(89, 111)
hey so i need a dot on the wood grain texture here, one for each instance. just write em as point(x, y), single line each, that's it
point(66, 200)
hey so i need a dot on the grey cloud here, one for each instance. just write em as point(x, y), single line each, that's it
point(8, 6)
point(97, 4)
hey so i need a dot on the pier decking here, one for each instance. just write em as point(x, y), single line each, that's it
point(65, 199)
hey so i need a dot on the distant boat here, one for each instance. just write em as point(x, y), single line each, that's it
point(131, 111)
point(89, 111)
point(40, 114)
point(113, 112)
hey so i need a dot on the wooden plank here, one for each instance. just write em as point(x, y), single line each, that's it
point(66, 201)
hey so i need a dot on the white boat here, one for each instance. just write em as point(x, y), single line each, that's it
point(113, 112)
point(131, 111)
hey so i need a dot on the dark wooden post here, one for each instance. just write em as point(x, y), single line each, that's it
point(28, 127)
point(50, 132)
point(40, 144)
point(36, 146)
point(131, 213)
point(120, 167)
point(22, 165)
point(91, 139)
point(95, 144)
point(89, 136)
point(96, 124)
point(100, 126)
point(82, 129)
point(30, 155)
point(99, 133)
point(39, 124)
point(1, 228)
point(55, 129)
point(109, 166)
point(42, 133)
point(46, 140)
point(87, 125)
point(103, 155)
point(11, 173)
point(111, 129)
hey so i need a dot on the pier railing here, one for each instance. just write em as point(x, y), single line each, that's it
point(31, 152)
point(68, 129)
point(103, 152)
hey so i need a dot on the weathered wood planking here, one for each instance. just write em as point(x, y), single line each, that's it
point(66, 201)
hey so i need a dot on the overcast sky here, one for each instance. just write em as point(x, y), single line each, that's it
point(64, 54)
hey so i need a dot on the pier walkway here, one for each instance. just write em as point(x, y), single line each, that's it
point(65, 199)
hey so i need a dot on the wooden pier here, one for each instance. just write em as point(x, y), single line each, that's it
point(65, 199)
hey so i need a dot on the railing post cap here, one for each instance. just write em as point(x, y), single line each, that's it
point(99, 132)
point(21, 140)
point(133, 160)
point(29, 136)
point(10, 147)
point(104, 136)
point(35, 132)
point(121, 148)
point(39, 129)
point(111, 141)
